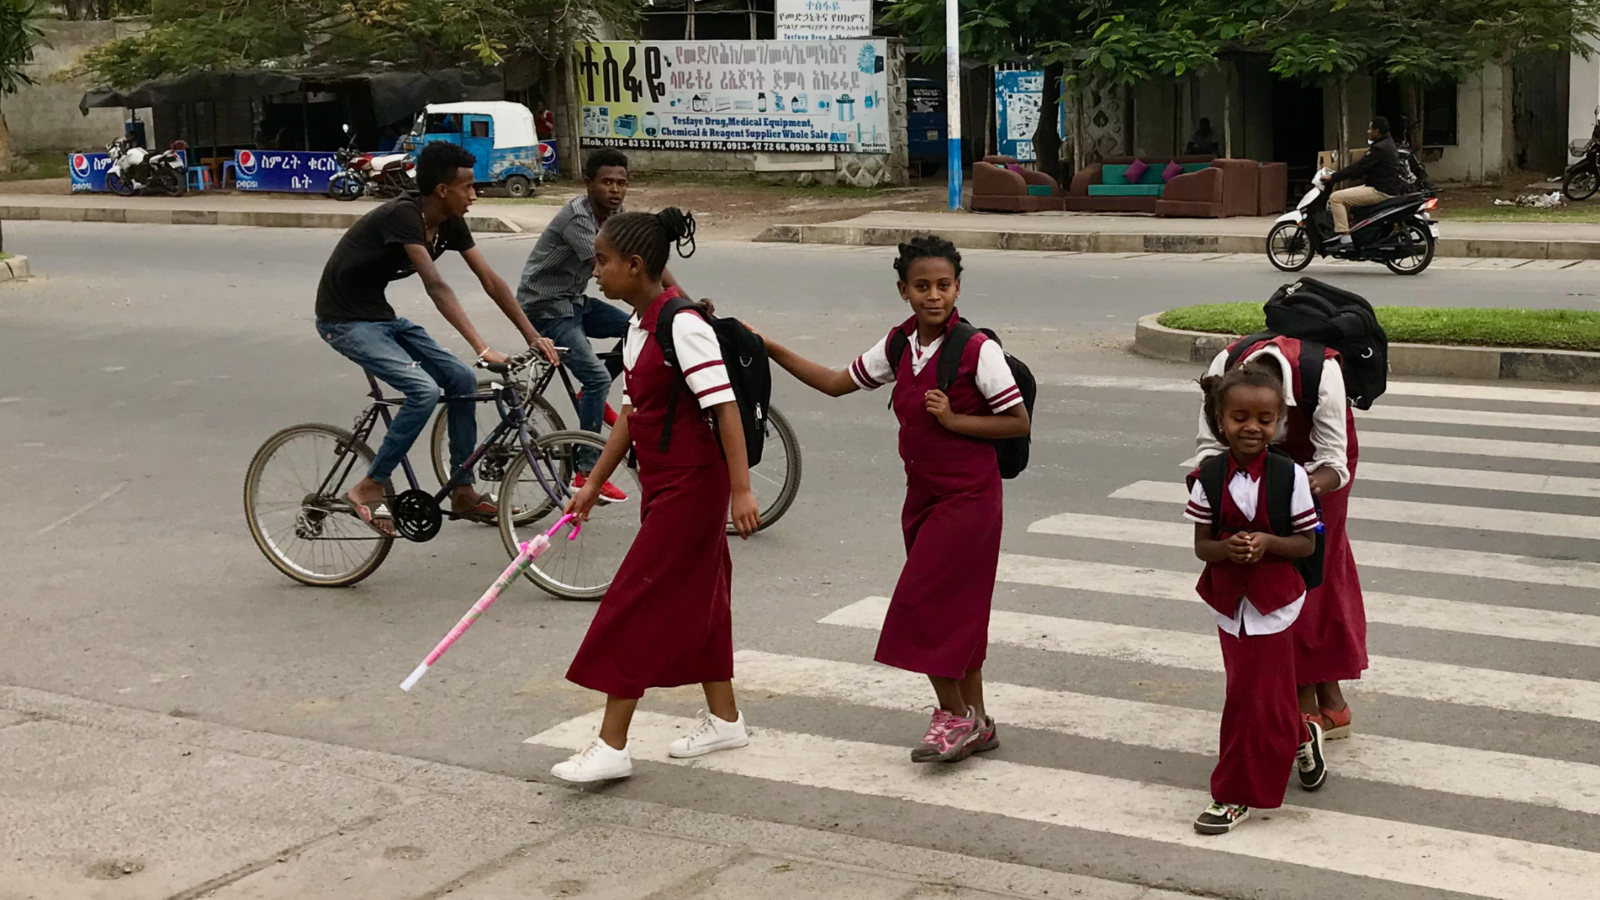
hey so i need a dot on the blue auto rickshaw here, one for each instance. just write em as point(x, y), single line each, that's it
point(500, 134)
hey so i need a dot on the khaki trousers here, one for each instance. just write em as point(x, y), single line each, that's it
point(1341, 201)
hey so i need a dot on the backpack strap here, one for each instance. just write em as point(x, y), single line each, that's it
point(669, 312)
point(1213, 470)
point(896, 348)
point(1278, 483)
point(1312, 357)
point(951, 351)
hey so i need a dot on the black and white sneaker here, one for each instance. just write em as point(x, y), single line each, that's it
point(1221, 818)
point(1309, 762)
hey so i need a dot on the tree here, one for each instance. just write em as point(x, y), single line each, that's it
point(20, 32)
point(224, 35)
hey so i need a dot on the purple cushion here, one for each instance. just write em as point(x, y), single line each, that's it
point(1136, 170)
point(1014, 167)
point(1173, 170)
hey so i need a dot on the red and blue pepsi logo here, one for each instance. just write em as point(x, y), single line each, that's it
point(246, 162)
point(80, 165)
point(547, 155)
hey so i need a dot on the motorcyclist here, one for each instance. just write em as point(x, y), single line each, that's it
point(1381, 170)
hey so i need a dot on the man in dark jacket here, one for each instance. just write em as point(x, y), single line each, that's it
point(1380, 169)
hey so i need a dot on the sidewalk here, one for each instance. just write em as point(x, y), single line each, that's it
point(1091, 233)
point(105, 802)
point(258, 210)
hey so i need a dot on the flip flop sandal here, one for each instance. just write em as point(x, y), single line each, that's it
point(372, 515)
point(1335, 725)
point(487, 512)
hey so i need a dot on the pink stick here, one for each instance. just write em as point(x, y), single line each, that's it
point(529, 551)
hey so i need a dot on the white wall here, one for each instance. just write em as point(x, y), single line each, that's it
point(45, 116)
point(1485, 139)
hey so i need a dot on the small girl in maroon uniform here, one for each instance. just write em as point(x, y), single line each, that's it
point(1255, 593)
point(666, 619)
point(938, 621)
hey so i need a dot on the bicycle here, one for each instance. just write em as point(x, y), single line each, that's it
point(296, 505)
point(775, 482)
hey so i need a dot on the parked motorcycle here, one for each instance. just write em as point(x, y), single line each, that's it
point(380, 176)
point(1583, 177)
point(1397, 232)
point(135, 170)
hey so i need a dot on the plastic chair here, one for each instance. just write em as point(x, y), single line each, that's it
point(200, 178)
point(229, 168)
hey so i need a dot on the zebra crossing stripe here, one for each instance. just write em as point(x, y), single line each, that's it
point(1463, 446)
point(1429, 389)
point(1455, 770)
point(1439, 682)
point(1516, 623)
point(1477, 479)
point(1408, 512)
point(1399, 852)
point(1479, 418)
point(1437, 560)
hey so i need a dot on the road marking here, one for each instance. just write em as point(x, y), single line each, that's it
point(1408, 512)
point(1479, 418)
point(1439, 560)
point(1516, 623)
point(1420, 855)
point(1440, 390)
point(104, 496)
point(1434, 443)
point(1546, 695)
point(1455, 770)
point(1478, 479)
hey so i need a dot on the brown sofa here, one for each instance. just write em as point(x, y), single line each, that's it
point(996, 188)
point(1230, 187)
point(1078, 199)
point(1274, 189)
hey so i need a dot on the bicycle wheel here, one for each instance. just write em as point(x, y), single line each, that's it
point(776, 481)
point(573, 570)
point(542, 419)
point(308, 531)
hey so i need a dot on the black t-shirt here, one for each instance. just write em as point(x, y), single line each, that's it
point(373, 253)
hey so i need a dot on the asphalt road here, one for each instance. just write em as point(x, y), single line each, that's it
point(142, 370)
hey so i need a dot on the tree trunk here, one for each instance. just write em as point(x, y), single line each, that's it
point(1047, 136)
point(571, 162)
point(1344, 125)
point(989, 118)
point(1227, 111)
point(5, 144)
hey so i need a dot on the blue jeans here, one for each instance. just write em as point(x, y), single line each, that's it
point(595, 319)
point(402, 355)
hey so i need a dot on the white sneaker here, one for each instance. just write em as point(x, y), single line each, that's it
point(711, 735)
point(597, 762)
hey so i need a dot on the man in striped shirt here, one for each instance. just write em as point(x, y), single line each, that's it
point(554, 291)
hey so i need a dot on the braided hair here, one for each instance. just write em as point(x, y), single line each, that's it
point(1250, 374)
point(651, 236)
point(927, 246)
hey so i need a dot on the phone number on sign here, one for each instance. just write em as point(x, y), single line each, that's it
point(780, 146)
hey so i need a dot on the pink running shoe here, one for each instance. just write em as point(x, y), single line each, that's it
point(948, 735)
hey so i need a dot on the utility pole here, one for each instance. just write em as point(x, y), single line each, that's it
point(952, 90)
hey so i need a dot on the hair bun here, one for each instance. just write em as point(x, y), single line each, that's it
point(679, 227)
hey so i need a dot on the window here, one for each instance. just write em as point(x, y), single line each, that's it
point(1439, 114)
point(480, 128)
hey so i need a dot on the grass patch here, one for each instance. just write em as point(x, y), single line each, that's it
point(1586, 213)
point(41, 165)
point(1557, 329)
point(5, 256)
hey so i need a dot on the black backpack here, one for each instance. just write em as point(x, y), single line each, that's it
point(1011, 452)
point(1278, 484)
point(749, 373)
point(1320, 315)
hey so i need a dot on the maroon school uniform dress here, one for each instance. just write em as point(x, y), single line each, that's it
point(1331, 638)
point(1261, 722)
point(938, 619)
point(666, 619)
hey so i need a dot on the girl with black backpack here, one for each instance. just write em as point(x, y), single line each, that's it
point(666, 619)
point(1254, 518)
point(938, 619)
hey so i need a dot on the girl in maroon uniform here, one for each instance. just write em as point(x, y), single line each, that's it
point(666, 619)
point(938, 620)
point(1255, 594)
point(1331, 641)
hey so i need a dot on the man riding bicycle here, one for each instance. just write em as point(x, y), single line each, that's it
point(554, 287)
point(400, 238)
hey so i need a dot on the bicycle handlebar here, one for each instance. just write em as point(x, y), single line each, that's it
point(517, 363)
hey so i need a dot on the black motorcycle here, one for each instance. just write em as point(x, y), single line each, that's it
point(1397, 232)
point(1583, 177)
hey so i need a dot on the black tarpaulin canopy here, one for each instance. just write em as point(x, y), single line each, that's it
point(395, 95)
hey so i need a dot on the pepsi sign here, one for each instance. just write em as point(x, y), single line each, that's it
point(287, 171)
point(547, 155)
point(88, 171)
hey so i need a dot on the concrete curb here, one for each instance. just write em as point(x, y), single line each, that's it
point(242, 217)
point(1122, 242)
point(1157, 341)
point(14, 268)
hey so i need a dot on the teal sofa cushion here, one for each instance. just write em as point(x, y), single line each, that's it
point(1039, 190)
point(1118, 174)
point(1126, 190)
